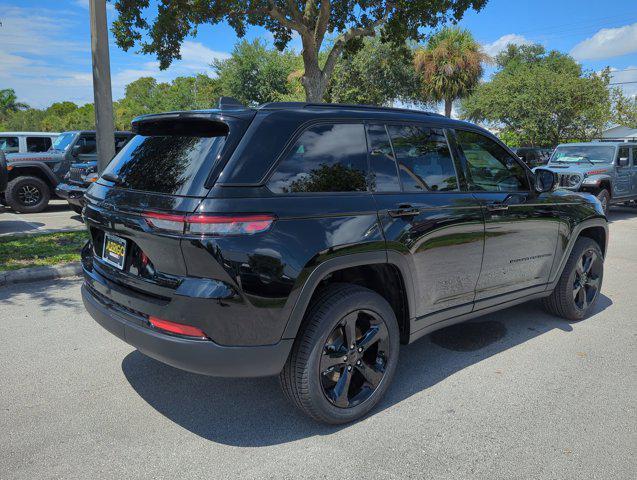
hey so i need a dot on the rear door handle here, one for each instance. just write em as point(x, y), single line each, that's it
point(497, 207)
point(404, 211)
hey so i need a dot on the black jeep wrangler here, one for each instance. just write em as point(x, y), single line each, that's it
point(33, 177)
point(310, 240)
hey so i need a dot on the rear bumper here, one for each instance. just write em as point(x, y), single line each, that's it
point(74, 194)
point(197, 356)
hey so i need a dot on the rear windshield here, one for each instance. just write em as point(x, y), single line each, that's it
point(169, 164)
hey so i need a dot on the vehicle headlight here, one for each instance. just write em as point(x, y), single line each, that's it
point(571, 180)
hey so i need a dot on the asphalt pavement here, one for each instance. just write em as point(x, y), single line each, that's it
point(516, 394)
point(57, 217)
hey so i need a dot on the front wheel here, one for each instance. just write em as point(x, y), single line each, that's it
point(579, 285)
point(27, 194)
point(345, 355)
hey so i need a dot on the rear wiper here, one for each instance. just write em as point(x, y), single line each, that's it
point(111, 177)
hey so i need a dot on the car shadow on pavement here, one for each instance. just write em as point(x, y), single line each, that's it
point(254, 413)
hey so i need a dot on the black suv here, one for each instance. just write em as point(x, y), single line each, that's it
point(309, 241)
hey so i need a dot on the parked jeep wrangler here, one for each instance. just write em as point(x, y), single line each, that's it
point(310, 240)
point(81, 175)
point(34, 176)
point(608, 170)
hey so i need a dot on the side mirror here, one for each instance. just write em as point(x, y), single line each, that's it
point(76, 150)
point(545, 180)
point(622, 162)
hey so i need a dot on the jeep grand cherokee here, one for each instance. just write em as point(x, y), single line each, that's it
point(310, 241)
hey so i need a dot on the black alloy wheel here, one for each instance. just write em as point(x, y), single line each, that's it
point(29, 195)
point(580, 283)
point(354, 357)
point(587, 280)
point(344, 356)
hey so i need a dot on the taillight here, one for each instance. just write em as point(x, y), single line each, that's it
point(202, 224)
point(176, 328)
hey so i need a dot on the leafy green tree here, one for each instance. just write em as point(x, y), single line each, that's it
point(9, 102)
point(377, 74)
point(541, 98)
point(346, 21)
point(624, 109)
point(450, 65)
point(256, 74)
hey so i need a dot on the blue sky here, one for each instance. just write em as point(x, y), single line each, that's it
point(45, 44)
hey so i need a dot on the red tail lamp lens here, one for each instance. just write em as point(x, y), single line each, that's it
point(176, 328)
point(210, 224)
point(228, 225)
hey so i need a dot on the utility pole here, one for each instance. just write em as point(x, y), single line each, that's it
point(102, 84)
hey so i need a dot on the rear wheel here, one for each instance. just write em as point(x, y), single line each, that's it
point(604, 198)
point(27, 194)
point(345, 355)
point(578, 288)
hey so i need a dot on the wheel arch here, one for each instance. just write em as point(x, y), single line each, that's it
point(594, 228)
point(33, 170)
point(379, 271)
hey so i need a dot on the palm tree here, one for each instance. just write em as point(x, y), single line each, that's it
point(9, 103)
point(450, 66)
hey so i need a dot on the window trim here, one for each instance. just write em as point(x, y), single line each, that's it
point(393, 153)
point(527, 170)
point(290, 145)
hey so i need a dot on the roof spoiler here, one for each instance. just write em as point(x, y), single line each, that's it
point(180, 124)
point(230, 103)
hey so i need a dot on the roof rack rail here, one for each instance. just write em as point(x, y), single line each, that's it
point(294, 105)
point(369, 107)
point(230, 103)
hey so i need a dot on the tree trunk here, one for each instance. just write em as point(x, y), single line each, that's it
point(448, 105)
point(314, 86)
point(313, 80)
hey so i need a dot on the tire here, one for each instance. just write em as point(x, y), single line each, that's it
point(27, 194)
point(604, 197)
point(76, 209)
point(567, 301)
point(312, 387)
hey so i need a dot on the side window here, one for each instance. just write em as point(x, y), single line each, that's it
point(424, 161)
point(490, 167)
point(89, 144)
point(325, 158)
point(9, 144)
point(382, 164)
point(120, 142)
point(38, 144)
point(634, 156)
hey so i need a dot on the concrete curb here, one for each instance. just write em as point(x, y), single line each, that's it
point(36, 274)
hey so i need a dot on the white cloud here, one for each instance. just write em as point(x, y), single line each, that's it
point(621, 76)
point(501, 43)
point(195, 58)
point(43, 66)
point(608, 42)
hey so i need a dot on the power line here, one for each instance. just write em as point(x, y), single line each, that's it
point(621, 83)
